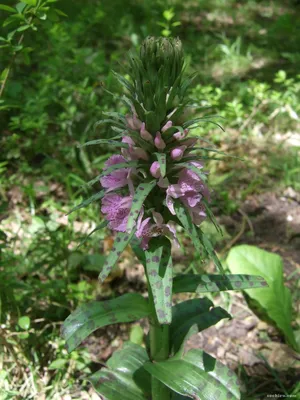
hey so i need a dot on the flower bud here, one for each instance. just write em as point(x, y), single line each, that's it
point(145, 134)
point(155, 169)
point(167, 126)
point(177, 153)
point(158, 141)
point(181, 135)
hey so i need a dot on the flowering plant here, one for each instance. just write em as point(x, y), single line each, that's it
point(155, 183)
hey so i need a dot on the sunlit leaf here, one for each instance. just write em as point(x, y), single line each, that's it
point(216, 283)
point(196, 375)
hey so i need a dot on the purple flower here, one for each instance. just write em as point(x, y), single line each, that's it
point(167, 126)
point(190, 189)
point(133, 153)
point(118, 178)
point(147, 229)
point(116, 209)
point(181, 135)
point(145, 134)
point(133, 122)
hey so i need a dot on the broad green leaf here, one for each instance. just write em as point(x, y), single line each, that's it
point(7, 8)
point(111, 169)
point(187, 223)
point(193, 316)
point(210, 250)
point(159, 270)
point(87, 202)
point(24, 322)
point(196, 375)
point(59, 363)
point(275, 300)
point(124, 378)
point(161, 158)
point(96, 314)
point(216, 283)
point(121, 242)
point(109, 142)
point(140, 195)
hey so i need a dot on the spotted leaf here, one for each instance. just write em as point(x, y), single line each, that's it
point(124, 378)
point(210, 250)
point(141, 193)
point(121, 241)
point(196, 375)
point(159, 270)
point(216, 283)
point(161, 158)
point(96, 314)
point(193, 316)
point(187, 223)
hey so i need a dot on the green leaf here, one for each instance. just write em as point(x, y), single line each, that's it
point(216, 283)
point(30, 2)
point(196, 170)
point(125, 378)
point(111, 169)
point(60, 363)
point(274, 300)
point(24, 323)
point(196, 375)
point(121, 242)
point(136, 334)
point(7, 8)
point(96, 314)
point(109, 142)
point(152, 122)
point(210, 250)
point(193, 316)
point(160, 274)
point(187, 223)
point(161, 158)
point(140, 195)
point(85, 203)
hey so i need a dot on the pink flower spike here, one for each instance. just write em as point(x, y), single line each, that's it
point(158, 141)
point(145, 134)
point(116, 179)
point(177, 153)
point(167, 126)
point(155, 170)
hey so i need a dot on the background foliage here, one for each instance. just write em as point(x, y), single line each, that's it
point(246, 54)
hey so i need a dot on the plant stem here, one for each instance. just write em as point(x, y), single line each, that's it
point(159, 349)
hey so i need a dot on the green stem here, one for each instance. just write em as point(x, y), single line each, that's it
point(159, 350)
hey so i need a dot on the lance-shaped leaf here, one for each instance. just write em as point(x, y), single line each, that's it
point(193, 316)
point(161, 158)
point(187, 223)
point(121, 241)
point(87, 202)
point(210, 250)
point(96, 314)
point(140, 195)
point(125, 378)
point(216, 283)
point(211, 215)
point(111, 169)
point(109, 142)
point(196, 375)
point(159, 270)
